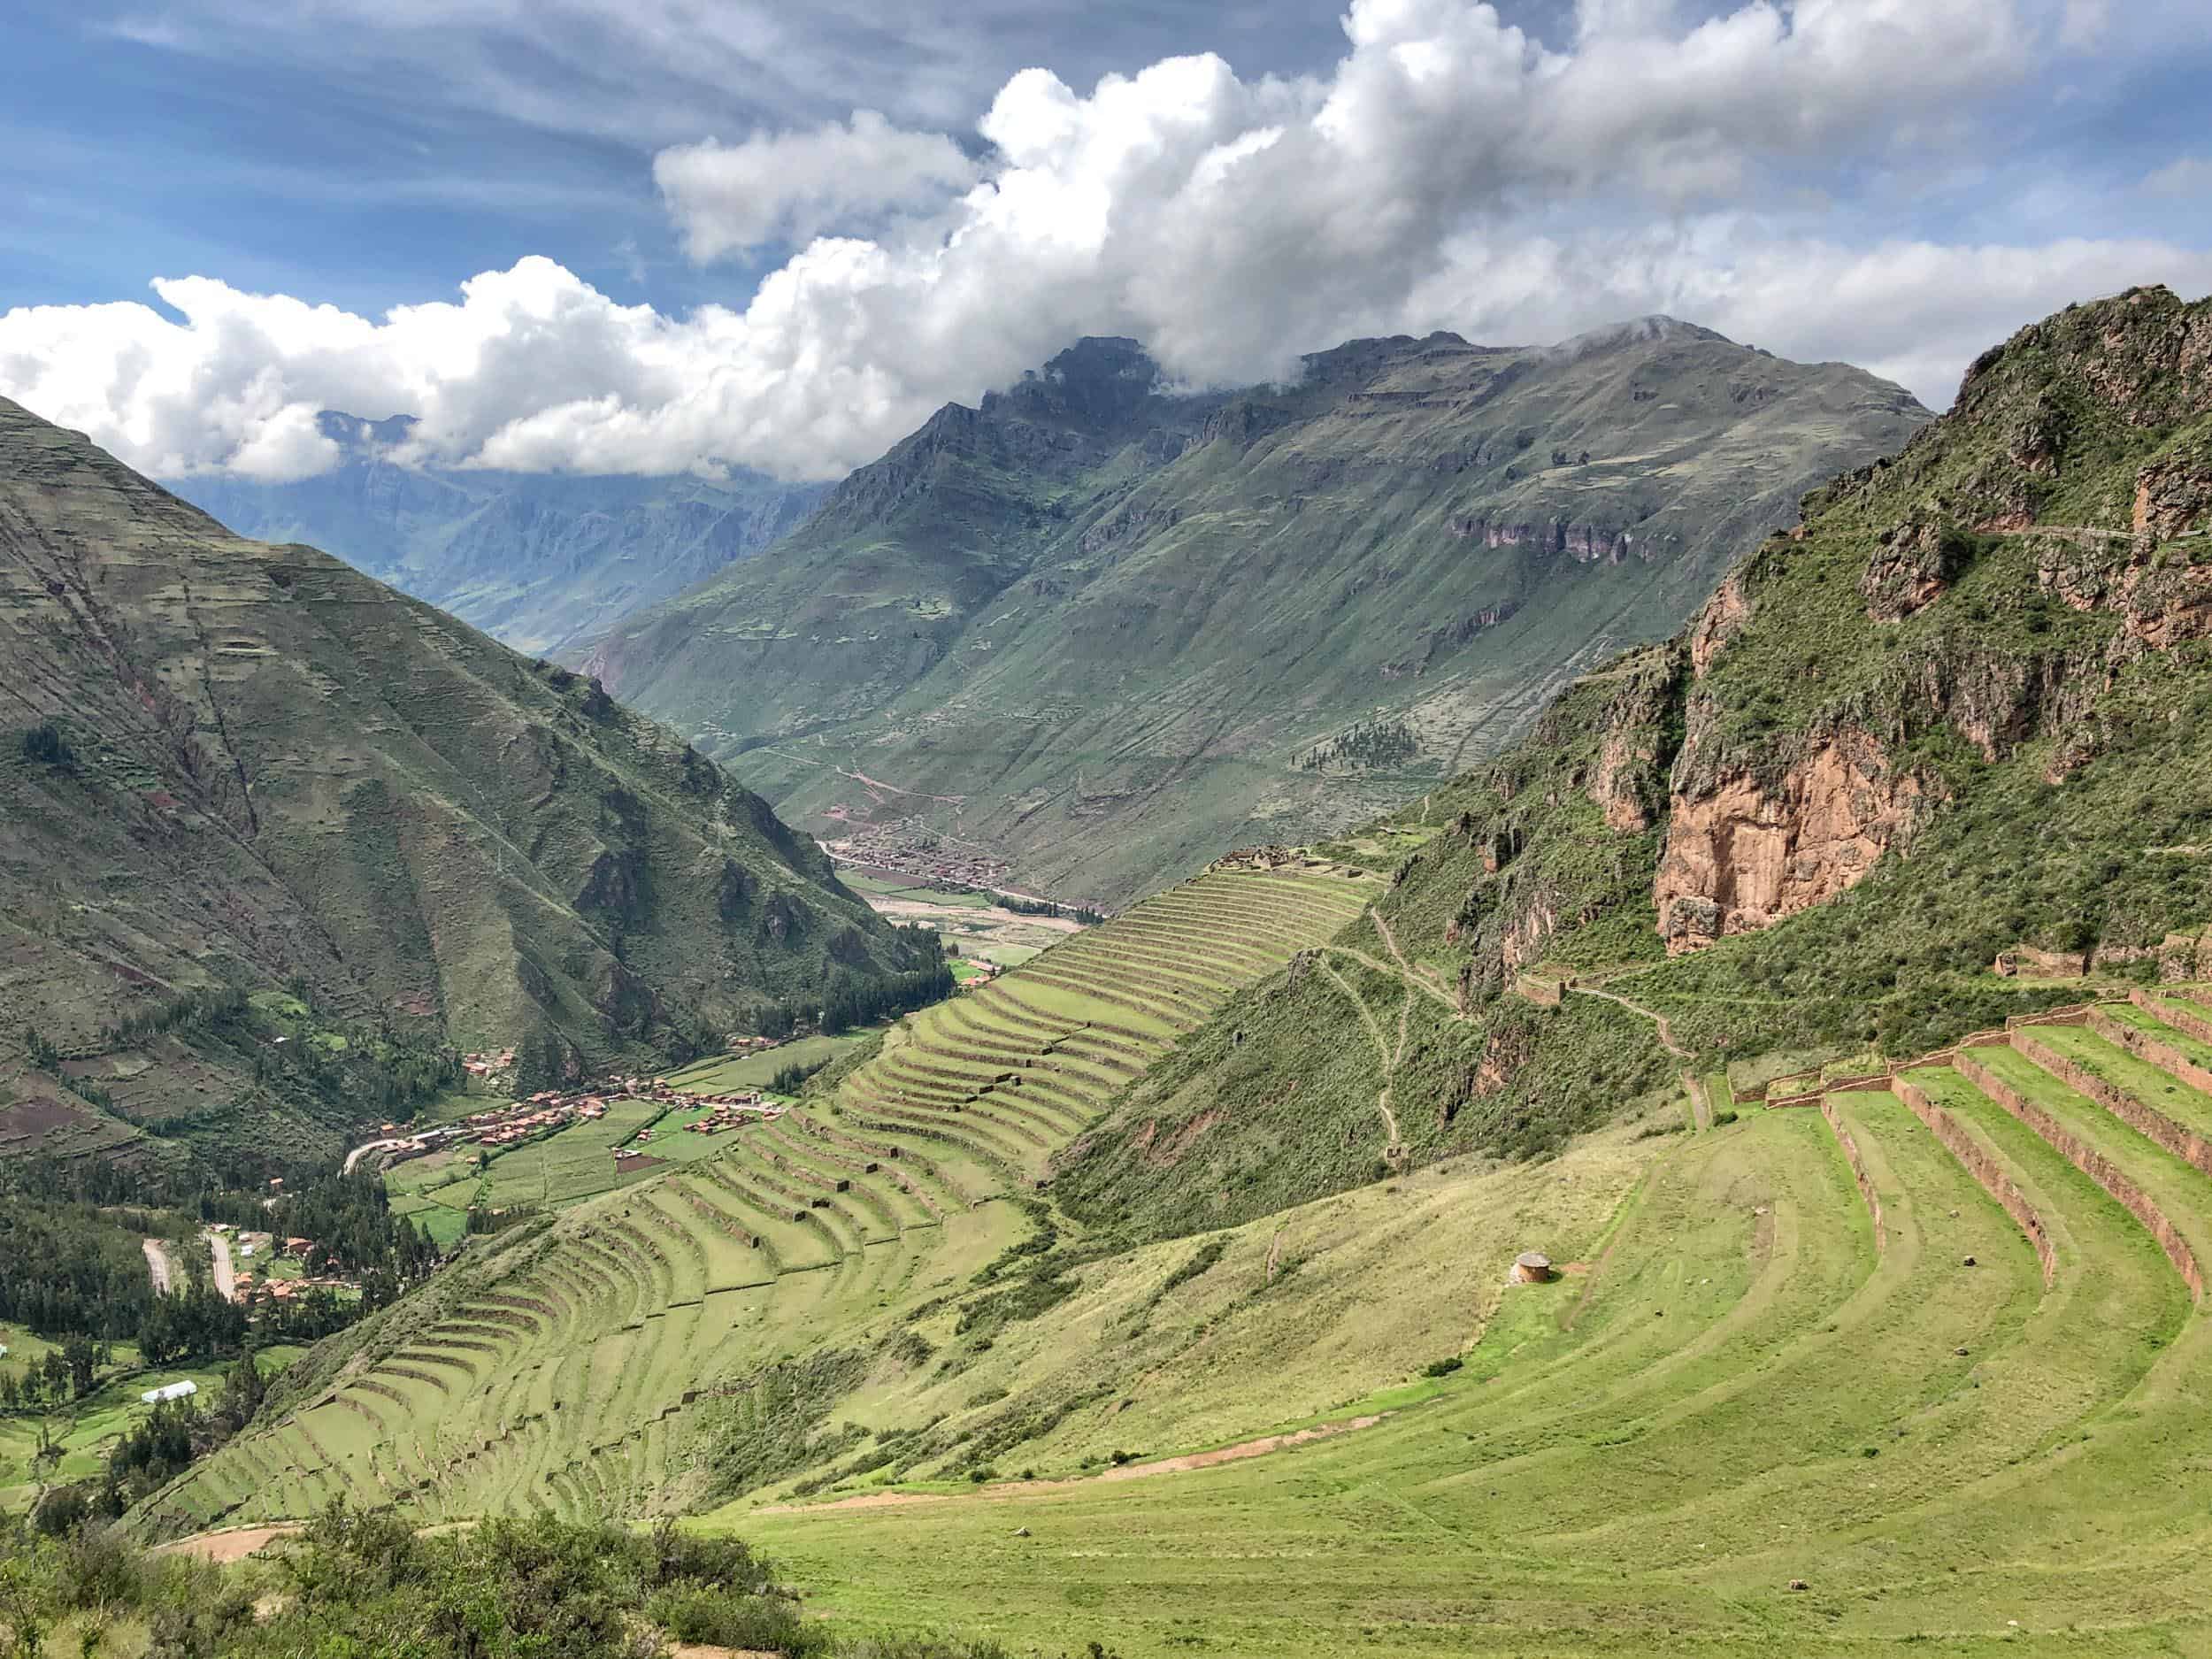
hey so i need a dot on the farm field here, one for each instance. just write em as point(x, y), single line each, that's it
point(1924, 1367)
point(620, 1357)
point(758, 1070)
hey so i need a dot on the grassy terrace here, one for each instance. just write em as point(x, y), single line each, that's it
point(1742, 1380)
point(598, 1365)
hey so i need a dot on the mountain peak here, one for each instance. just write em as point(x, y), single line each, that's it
point(360, 436)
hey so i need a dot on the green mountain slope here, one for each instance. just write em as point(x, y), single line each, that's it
point(243, 787)
point(541, 562)
point(1962, 706)
point(1101, 632)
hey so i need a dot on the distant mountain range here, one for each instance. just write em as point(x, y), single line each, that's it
point(1102, 631)
point(277, 837)
point(543, 562)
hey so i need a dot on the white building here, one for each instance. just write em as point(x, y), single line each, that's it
point(172, 1391)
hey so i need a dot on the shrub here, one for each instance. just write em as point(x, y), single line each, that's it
point(1443, 1367)
point(44, 745)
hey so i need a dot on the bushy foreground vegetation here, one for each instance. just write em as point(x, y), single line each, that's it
point(360, 1584)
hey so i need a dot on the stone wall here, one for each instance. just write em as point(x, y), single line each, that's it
point(1978, 1163)
point(2096, 1166)
point(1858, 1170)
point(2144, 1119)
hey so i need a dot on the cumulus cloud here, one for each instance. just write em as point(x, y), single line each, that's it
point(789, 187)
point(1451, 171)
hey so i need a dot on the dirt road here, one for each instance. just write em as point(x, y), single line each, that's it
point(359, 1152)
point(226, 1276)
point(158, 1266)
point(234, 1544)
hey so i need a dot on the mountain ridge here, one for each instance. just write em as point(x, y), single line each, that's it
point(1193, 592)
point(247, 787)
point(543, 562)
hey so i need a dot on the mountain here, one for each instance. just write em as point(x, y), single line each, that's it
point(1099, 630)
point(274, 836)
point(1646, 1199)
point(542, 562)
point(1959, 711)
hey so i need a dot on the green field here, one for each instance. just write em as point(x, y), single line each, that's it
point(758, 1070)
point(1753, 1383)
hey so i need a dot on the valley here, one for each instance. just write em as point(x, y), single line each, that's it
point(1731, 1171)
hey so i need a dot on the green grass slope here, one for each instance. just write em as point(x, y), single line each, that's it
point(772, 1305)
point(1102, 632)
point(1921, 1369)
point(274, 835)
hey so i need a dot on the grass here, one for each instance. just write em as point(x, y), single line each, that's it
point(757, 1071)
point(1640, 1459)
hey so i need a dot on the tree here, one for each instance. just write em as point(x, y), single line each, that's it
point(82, 1355)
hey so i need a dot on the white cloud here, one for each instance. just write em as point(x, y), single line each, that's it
point(1451, 171)
point(2183, 176)
point(790, 187)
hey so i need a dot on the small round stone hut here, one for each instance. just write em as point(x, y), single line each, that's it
point(1531, 1267)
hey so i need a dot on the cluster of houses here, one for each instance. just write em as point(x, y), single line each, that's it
point(251, 1284)
point(871, 854)
point(728, 1111)
point(489, 1064)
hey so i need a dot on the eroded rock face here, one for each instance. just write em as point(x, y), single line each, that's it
point(1911, 567)
point(1725, 614)
point(1743, 853)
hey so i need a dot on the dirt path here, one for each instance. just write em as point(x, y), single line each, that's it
point(1382, 1044)
point(1666, 1031)
point(1182, 1464)
point(1406, 970)
point(158, 1266)
point(1700, 1103)
point(234, 1544)
point(226, 1276)
point(866, 782)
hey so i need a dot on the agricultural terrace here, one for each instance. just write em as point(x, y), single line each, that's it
point(1920, 1361)
point(602, 1363)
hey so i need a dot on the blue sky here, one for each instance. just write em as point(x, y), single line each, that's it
point(698, 232)
point(189, 139)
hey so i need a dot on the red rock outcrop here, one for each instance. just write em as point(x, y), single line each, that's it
point(1743, 853)
point(1724, 613)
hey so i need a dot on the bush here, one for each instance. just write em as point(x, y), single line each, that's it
point(43, 745)
point(695, 1612)
point(1443, 1367)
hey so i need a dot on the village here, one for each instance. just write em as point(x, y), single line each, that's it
point(499, 1128)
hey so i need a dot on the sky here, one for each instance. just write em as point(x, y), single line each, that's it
point(661, 235)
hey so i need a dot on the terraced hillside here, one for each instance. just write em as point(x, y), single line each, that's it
point(1923, 1359)
point(689, 1336)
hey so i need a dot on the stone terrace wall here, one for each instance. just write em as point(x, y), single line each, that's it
point(2144, 1119)
point(2096, 1166)
point(1858, 1170)
point(1984, 1169)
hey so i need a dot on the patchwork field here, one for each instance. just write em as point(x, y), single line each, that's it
point(1923, 1366)
point(633, 1354)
